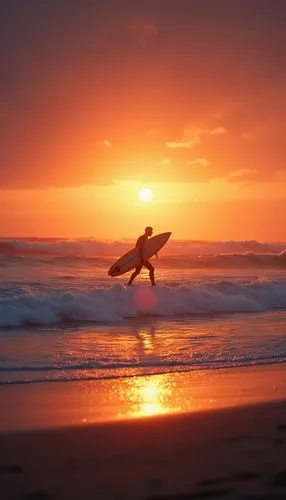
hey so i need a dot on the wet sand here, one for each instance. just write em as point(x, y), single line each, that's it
point(236, 452)
point(63, 404)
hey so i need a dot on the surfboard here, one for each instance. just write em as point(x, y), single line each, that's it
point(131, 259)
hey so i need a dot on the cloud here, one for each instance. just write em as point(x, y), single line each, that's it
point(219, 131)
point(197, 171)
point(77, 109)
point(244, 175)
point(198, 162)
point(191, 138)
point(183, 144)
point(194, 136)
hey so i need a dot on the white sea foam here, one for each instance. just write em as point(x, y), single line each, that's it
point(34, 307)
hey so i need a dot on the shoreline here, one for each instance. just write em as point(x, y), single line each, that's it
point(204, 435)
point(45, 405)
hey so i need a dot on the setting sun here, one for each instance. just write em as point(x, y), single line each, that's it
point(143, 248)
point(145, 194)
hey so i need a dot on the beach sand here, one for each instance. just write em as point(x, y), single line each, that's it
point(235, 450)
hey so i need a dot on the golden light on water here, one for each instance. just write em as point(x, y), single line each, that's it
point(144, 396)
point(150, 391)
point(152, 397)
point(151, 409)
point(149, 396)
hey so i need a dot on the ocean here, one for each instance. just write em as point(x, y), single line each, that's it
point(216, 305)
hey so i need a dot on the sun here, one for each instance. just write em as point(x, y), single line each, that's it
point(145, 194)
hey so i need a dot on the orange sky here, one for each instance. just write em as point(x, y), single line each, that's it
point(99, 100)
point(196, 211)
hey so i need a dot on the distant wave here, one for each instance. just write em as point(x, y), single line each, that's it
point(33, 307)
point(215, 261)
point(179, 254)
point(76, 248)
point(228, 261)
point(97, 248)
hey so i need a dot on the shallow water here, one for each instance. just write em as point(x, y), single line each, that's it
point(70, 321)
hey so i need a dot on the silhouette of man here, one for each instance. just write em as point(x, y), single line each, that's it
point(140, 245)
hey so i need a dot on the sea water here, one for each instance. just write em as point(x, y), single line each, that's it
point(63, 318)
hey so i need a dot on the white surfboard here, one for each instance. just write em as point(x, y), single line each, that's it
point(132, 259)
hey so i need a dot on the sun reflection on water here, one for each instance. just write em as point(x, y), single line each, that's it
point(149, 396)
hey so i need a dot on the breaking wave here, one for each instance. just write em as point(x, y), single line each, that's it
point(34, 307)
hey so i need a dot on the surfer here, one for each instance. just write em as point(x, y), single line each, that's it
point(140, 245)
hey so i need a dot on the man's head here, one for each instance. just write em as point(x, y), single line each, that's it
point(149, 230)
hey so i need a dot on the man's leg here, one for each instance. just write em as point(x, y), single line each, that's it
point(133, 275)
point(151, 272)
